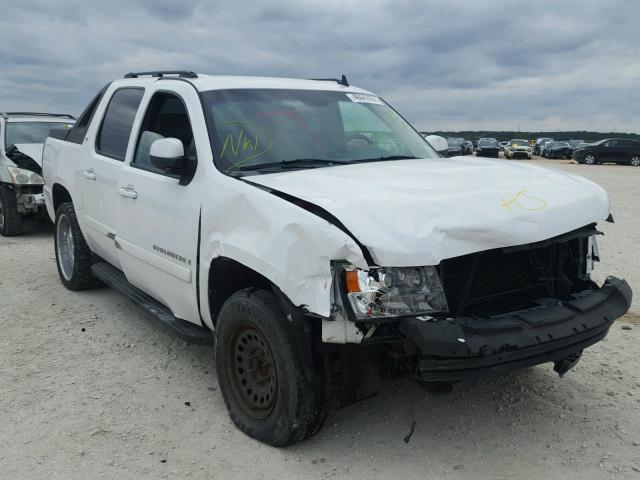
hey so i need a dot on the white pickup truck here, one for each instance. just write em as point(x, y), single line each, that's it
point(322, 240)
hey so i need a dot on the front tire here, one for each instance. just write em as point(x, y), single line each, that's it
point(10, 218)
point(589, 159)
point(267, 381)
point(73, 256)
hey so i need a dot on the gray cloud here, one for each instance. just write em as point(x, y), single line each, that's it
point(445, 65)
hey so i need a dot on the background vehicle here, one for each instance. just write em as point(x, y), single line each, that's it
point(615, 150)
point(488, 147)
point(557, 150)
point(502, 145)
point(22, 136)
point(539, 142)
point(455, 147)
point(439, 143)
point(242, 206)
point(544, 145)
point(573, 144)
point(517, 148)
point(467, 147)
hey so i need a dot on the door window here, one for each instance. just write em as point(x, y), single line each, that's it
point(115, 130)
point(166, 116)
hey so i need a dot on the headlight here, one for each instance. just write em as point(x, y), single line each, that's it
point(393, 292)
point(21, 176)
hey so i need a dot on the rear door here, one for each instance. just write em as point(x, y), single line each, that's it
point(611, 151)
point(100, 173)
point(158, 219)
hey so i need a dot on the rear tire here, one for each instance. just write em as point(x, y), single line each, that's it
point(635, 161)
point(73, 256)
point(10, 218)
point(267, 380)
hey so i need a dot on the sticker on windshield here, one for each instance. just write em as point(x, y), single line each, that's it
point(364, 98)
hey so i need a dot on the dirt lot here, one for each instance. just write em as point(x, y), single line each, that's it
point(90, 387)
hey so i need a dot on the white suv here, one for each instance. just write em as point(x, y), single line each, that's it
point(321, 239)
point(22, 136)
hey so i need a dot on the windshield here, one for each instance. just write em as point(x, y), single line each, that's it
point(30, 132)
point(256, 129)
point(522, 143)
point(487, 142)
point(454, 142)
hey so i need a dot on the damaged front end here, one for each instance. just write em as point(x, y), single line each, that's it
point(488, 312)
point(26, 182)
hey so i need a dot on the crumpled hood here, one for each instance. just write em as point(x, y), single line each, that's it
point(419, 212)
point(33, 150)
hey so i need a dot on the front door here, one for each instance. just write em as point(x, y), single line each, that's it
point(158, 220)
point(99, 176)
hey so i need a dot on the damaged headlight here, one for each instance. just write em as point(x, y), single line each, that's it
point(394, 292)
point(20, 176)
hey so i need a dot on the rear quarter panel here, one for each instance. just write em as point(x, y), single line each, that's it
point(61, 161)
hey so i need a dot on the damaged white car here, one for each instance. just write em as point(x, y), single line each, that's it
point(322, 241)
point(22, 136)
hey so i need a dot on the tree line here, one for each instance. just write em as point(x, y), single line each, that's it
point(503, 136)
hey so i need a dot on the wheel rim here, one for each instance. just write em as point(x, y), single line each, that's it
point(635, 161)
point(1, 213)
point(64, 246)
point(589, 160)
point(253, 372)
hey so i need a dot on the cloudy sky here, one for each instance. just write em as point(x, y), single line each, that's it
point(492, 64)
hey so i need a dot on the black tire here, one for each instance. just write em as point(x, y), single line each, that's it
point(634, 161)
point(10, 218)
point(80, 276)
point(252, 320)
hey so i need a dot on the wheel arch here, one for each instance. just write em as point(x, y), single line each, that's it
point(59, 195)
point(227, 276)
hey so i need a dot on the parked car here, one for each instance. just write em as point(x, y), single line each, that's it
point(467, 147)
point(573, 144)
point(455, 147)
point(543, 146)
point(557, 150)
point(250, 209)
point(517, 148)
point(439, 143)
point(502, 145)
point(615, 150)
point(538, 144)
point(488, 147)
point(21, 141)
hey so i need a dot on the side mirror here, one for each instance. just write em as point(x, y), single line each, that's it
point(167, 154)
point(439, 143)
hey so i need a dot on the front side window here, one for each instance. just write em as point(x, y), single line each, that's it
point(30, 132)
point(115, 130)
point(166, 117)
point(257, 129)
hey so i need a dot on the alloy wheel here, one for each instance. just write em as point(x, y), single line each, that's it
point(589, 159)
point(635, 161)
point(65, 246)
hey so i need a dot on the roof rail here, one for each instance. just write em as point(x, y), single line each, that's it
point(161, 73)
point(35, 114)
point(342, 81)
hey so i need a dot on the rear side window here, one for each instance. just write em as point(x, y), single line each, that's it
point(115, 130)
point(79, 130)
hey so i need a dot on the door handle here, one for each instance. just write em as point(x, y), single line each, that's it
point(128, 192)
point(89, 174)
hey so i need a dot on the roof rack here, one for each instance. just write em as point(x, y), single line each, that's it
point(161, 73)
point(342, 81)
point(6, 115)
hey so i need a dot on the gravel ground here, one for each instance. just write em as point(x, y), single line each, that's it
point(91, 387)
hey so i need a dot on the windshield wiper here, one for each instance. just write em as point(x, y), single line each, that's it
point(287, 164)
point(389, 157)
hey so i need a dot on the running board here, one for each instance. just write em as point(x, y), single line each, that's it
point(187, 331)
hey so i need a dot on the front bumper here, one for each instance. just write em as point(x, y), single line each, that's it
point(519, 154)
point(553, 330)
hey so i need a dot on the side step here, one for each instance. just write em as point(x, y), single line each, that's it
point(187, 331)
